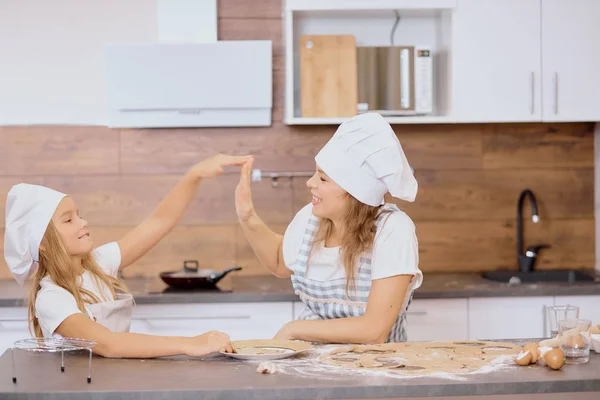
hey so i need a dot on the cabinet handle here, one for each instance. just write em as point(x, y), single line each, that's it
point(556, 93)
point(3, 328)
point(416, 313)
point(532, 84)
point(173, 317)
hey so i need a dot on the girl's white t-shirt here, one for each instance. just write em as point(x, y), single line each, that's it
point(395, 250)
point(54, 304)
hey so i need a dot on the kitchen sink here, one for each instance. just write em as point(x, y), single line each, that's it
point(557, 276)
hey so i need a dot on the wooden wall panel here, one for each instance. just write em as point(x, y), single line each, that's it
point(212, 246)
point(249, 9)
point(485, 194)
point(442, 146)
point(547, 146)
point(64, 150)
point(162, 151)
point(487, 245)
point(469, 178)
point(128, 199)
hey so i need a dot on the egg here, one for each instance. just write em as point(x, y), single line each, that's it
point(555, 359)
point(575, 341)
point(533, 349)
point(523, 358)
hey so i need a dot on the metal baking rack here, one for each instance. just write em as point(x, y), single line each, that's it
point(53, 345)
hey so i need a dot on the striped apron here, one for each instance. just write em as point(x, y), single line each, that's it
point(328, 299)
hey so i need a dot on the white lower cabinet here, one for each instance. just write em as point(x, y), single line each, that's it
point(427, 319)
point(589, 306)
point(13, 326)
point(430, 319)
point(508, 317)
point(239, 320)
point(439, 320)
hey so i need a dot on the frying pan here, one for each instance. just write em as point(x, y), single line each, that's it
point(193, 278)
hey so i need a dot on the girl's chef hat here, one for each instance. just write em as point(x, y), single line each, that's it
point(365, 158)
point(29, 209)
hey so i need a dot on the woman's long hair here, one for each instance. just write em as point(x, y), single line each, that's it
point(358, 236)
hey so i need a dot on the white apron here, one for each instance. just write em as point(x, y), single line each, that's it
point(114, 315)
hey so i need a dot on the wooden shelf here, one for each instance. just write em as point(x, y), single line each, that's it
point(390, 120)
point(424, 22)
point(334, 5)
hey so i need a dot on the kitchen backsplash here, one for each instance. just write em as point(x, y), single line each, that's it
point(469, 178)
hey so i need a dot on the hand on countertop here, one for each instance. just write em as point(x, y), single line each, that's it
point(210, 342)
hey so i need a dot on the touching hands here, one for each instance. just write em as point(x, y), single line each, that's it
point(213, 166)
point(243, 194)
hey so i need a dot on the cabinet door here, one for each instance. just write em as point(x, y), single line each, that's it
point(571, 60)
point(496, 67)
point(508, 318)
point(589, 306)
point(438, 320)
point(13, 326)
point(239, 320)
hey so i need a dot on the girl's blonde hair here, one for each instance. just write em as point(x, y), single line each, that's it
point(55, 262)
point(358, 237)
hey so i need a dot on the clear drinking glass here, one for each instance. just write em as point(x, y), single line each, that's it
point(574, 334)
point(557, 313)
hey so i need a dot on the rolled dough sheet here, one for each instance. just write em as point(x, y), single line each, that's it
point(420, 357)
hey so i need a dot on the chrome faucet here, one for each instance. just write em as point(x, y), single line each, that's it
point(527, 260)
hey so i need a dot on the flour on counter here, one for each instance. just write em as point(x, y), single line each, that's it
point(309, 365)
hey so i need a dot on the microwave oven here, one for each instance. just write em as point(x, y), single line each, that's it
point(395, 80)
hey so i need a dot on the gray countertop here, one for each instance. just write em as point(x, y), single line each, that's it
point(39, 377)
point(271, 289)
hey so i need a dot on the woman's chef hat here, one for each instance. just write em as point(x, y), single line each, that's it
point(365, 158)
point(29, 209)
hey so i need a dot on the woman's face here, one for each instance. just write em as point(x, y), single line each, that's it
point(329, 200)
point(72, 229)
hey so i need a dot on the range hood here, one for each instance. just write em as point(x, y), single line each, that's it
point(168, 85)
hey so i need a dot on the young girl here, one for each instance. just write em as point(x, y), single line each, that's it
point(75, 290)
point(353, 259)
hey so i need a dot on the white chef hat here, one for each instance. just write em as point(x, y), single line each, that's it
point(29, 209)
point(365, 158)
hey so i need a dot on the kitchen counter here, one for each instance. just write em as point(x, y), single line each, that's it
point(272, 289)
point(39, 377)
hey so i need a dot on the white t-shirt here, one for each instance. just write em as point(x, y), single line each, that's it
point(54, 304)
point(395, 250)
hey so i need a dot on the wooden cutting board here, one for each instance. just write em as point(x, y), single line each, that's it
point(328, 76)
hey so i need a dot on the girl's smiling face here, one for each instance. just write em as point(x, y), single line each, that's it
point(73, 230)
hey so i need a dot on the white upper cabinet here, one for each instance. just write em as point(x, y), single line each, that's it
point(497, 74)
point(571, 60)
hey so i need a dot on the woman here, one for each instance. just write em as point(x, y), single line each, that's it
point(75, 290)
point(353, 259)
